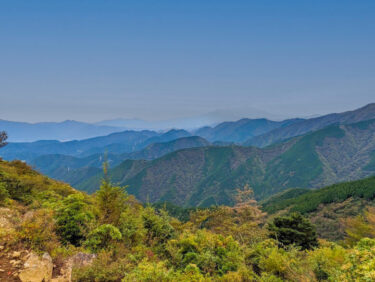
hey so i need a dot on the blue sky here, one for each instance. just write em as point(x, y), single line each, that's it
point(94, 60)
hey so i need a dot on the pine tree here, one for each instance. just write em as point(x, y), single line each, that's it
point(294, 229)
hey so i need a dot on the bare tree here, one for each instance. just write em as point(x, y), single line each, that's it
point(3, 138)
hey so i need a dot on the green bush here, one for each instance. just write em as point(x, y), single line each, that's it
point(103, 237)
point(212, 254)
point(4, 194)
point(73, 219)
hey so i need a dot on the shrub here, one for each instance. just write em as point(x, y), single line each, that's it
point(37, 231)
point(131, 226)
point(103, 237)
point(73, 219)
point(104, 268)
point(211, 253)
point(158, 227)
point(4, 194)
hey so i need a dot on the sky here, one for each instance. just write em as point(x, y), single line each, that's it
point(154, 60)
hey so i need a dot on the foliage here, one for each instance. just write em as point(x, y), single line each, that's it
point(111, 201)
point(360, 262)
point(242, 221)
point(211, 253)
point(310, 201)
point(73, 219)
point(37, 230)
point(133, 242)
point(272, 263)
point(293, 229)
point(158, 227)
point(4, 194)
point(103, 237)
point(131, 226)
point(104, 268)
point(360, 226)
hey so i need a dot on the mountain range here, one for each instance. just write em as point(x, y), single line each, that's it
point(308, 125)
point(209, 175)
point(205, 166)
point(66, 130)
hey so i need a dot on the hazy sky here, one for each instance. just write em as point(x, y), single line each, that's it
point(93, 60)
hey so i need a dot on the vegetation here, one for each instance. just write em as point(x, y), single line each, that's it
point(136, 242)
point(310, 200)
point(293, 230)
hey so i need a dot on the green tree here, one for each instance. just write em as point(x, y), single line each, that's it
point(111, 200)
point(73, 219)
point(294, 229)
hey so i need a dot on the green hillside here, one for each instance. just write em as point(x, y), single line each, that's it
point(307, 201)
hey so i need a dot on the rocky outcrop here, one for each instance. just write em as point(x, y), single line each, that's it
point(6, 224)
point(37, 269)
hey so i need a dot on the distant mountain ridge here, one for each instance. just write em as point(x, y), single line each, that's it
point(365, 113)
point(63, 131)
point(241, 130)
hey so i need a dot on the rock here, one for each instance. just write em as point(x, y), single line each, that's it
point(5, 220)
point(37, 269)
point(78, 260)
point(15, 262)
point(82, 259)
point(16, 254)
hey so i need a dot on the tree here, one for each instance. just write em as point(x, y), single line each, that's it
point(294, 229)
point(3, 138)
point(111, 200)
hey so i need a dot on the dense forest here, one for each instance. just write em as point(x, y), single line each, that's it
point(123, 240)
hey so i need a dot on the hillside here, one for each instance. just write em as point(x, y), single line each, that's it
point(241, 130)
point(313, 124)
point(326, 206)
point(209, 175)
point(51, 232)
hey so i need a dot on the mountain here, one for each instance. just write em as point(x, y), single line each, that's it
point(170, 135)
point(117, 143)
point(121, 142)
point(308, 125)
point(241, 130)
point(157, 150)
point(63, 131)
point(209, 175)
point(74, 169)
